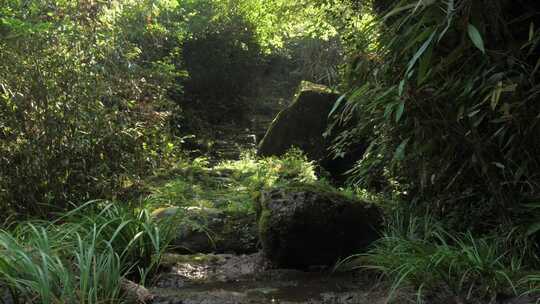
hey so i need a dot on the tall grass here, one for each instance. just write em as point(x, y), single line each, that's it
point(31, 268)
point(83, 256)
point(417, 252)
point(134, 234)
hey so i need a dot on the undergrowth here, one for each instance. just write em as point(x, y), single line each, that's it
point(419, 252)
point(83, 256)
point(232, 185)
point(235, 185)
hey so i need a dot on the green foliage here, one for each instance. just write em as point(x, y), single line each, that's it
point(277, 21)
point(83, 257)
point(444, 93)
point(89, 90)
point(417, 251)
point(233, 48)
point(267, 172)
point(447, 100)
point(233, 185)
point(533, 283)
point(82, 106)
point(134, 234)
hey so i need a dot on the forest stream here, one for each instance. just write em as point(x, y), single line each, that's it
point(242, 279)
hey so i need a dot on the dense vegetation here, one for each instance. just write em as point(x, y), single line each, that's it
point(111, 100)
point(445, 93)
point(451, 107)
point(103, 90)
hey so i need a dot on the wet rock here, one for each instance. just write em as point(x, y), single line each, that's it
point(182, 270)
point(304, 225)
point(243, 279)
point(209, 230)
point(135, 293)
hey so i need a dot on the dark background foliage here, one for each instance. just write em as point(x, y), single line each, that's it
point(222, 61)
point(451, 115)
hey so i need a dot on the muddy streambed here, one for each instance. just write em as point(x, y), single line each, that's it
point(240, 279)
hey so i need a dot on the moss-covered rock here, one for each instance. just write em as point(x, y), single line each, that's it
point(208, 230)
point(306, 225)
point(302, 124)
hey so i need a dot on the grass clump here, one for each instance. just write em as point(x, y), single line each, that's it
point(82, 257)
point(418, 252)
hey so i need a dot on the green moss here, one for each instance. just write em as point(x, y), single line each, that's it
point(264, 220)
point(310, 86)
point(322, 188)
point(232, 185)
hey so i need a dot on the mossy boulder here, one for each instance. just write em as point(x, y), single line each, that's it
point(210, 230)
point(307, 225)
point(301, 124)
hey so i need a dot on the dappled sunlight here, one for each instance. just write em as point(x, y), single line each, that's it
point(233, 185)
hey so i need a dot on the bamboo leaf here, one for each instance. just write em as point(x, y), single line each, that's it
point(399, 111)
point(476, 37)
point(420, 52)
point(533, 229)
point(449, 16)
point(423, 3)
point(400, 150)
point(424, 65)
point(388, 110)
point(499, 165)
point(461, 112)
point(520, 173)
point(398, 10)
point(496, 95)
point(531, 32)
point(471, 114)
point(337, 104)
point(536, 67)
point(401, 87)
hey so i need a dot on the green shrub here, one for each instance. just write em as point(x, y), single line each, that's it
point(81, 110)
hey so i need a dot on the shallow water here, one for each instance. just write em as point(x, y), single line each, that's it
point(228, 279)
